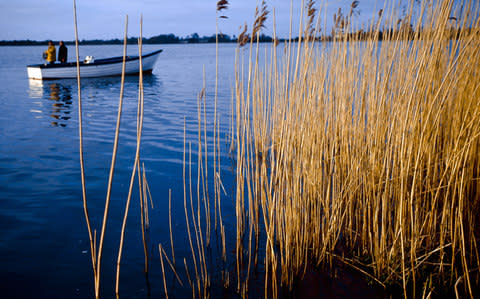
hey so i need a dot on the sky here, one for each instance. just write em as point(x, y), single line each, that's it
point(105, 19)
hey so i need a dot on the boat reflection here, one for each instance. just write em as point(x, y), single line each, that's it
point(59, 98)
point(35, 89)
point(55, 99)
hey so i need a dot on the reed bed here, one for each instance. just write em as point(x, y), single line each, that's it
point(364, 152)
point(348, 151)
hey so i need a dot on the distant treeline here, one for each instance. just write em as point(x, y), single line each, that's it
point(406, 33)
point(194, 38)
point(158, 39)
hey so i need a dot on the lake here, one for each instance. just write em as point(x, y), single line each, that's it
point(44, 246)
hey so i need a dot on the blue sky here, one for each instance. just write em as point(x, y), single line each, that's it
point(105, 19)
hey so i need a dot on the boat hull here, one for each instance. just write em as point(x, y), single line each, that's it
point(99, 68)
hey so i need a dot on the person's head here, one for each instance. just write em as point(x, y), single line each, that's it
point(50, 43)
point(61, 43)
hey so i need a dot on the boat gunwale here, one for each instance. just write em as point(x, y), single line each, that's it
point(101, 61)
point(145, 72)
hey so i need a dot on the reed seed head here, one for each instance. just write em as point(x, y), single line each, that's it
point(243, 37)
point(276, 42)
point(353, 6)
point(222, 4)
point(338, 19)
point(260, 18)
point(311, 12)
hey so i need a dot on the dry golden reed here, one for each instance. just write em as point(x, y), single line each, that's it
point(144, 191)
point(96, 253)
point(362, 148)
point(368, 146)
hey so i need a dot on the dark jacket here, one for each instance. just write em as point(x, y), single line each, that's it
point(62, 53)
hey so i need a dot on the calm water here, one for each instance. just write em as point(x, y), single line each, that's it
point(44, 248)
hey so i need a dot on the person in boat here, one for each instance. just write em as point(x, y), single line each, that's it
point(62, 52)
point(50, 54)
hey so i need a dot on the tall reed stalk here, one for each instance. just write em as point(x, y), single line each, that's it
point(91, 236)
point(96, 255)
point(144, 192)
point(140, 114)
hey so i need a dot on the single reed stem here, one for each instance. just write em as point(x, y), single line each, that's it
point(170, 224)
point(114, 155)
point(136, 162)
point(146, 195)
point(171, 266)
point(142, 216)
point(163, 270)
point(82, 169)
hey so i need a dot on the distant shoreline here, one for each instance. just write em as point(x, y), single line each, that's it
point(159, 39)
point(196, 39)
point(88, 42)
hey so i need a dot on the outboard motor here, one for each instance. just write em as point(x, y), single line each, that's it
point(89, 59)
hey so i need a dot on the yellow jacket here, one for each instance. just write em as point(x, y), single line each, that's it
point(51, 53)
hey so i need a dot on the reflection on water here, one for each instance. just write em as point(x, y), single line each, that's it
point(59, 98)
point(35, 89)
point(62, 102)
point(54, 98)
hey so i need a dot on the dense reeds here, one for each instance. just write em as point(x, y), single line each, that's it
point(354, 151)
point(365, 152)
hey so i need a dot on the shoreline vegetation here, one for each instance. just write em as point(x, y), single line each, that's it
point(194, 38)
point(158, 39)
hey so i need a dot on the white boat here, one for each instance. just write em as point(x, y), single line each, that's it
point(93, 67)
